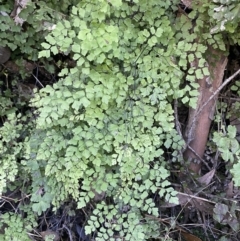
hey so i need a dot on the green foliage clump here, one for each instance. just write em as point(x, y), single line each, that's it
point(25, 40)
point(15, 227)
point(130, 226)
point(235, 87)
point(229, 148)
point(10, 149)
point(227, 143)
point(217, 22)
point(226, 13)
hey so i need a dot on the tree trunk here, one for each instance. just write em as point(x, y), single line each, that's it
point(200, 119)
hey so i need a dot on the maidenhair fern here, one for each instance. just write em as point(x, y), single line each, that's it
point(106, 120)
point(15, 227)
point(10, 150)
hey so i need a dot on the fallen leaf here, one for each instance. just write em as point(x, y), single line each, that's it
point(202, 206)
point(190, 237)
point(220, 212)
point(234, 224)
point(207, 178)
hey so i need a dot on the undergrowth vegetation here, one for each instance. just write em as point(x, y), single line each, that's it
point(92, 130)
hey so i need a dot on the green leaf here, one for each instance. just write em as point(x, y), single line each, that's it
point(44, 53)
point(74, 10)
point(54, 50)
point(185, 99)
point(232, 131)
point(81, 204)
point(159, 32)
point(76, 48)
point(51, 40)
point(46, 45)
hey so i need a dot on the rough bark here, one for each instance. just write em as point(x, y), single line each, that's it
point(200, 119)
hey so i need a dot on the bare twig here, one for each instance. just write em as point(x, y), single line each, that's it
point(38, 80)
point(69, 232)
point(5, 200)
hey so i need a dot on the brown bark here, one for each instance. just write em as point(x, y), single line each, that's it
point(200, 119)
